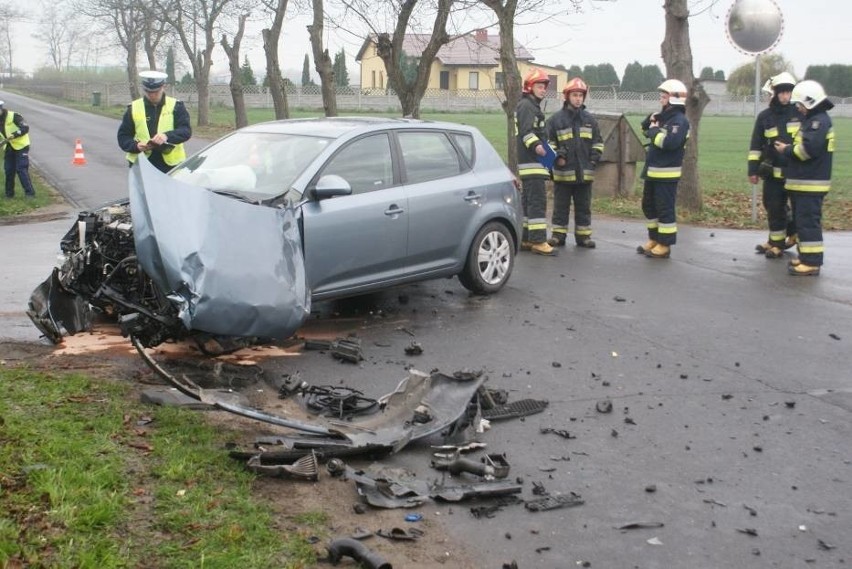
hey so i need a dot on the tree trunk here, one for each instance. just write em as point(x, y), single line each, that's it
point(322, 62)
point(271, 37)
point(511, 76)
point(236, 85)
point(677, 55)
point(132, 75)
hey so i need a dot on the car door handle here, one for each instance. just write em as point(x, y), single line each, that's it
point(394, 210)
point(472, 197)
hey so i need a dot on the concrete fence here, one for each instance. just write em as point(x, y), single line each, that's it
point(356, 99)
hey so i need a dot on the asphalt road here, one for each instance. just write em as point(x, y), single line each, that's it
point(730, 383)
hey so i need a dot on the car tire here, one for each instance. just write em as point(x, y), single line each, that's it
point(490, 259)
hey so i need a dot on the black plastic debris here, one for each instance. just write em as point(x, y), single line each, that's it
point(490, 466)
point(640, 525)
point(748, 531)
point(825, 545)
point(834, 336)
point(491, 509)
point(561, 432)
point(521, 408)
point(343, 349)
point(348, 547)
point(400, 534)
point(339, 402)
point(604, 406)
point(414, 349)
point(554, 502)
point(305, 468)
point(790, 404)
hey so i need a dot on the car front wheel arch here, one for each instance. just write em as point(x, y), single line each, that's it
point(490, 259)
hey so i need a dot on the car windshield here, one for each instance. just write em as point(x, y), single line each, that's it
point(255, 164)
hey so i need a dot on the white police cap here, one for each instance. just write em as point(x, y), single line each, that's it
point(153, 80)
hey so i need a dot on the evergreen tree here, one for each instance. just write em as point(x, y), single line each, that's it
point(341, 75)
point(590, 75)
point(575, 71)
point(634, 79)
point(170, 65)
point(306, 72)
point(246, 73)
point(187, 79)
point(653, 77)
point(719, 75)
point(706, 73)
point(408, 65)
point(607, 75)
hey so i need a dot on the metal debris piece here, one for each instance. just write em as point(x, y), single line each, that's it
point(335, 467)
point(468, 491)
point(489, 510)
point(554, 502)
point(604, 406)
point(306, 467)
point(403, 534)
point(521, 408)
point(339, 402)
point(748, 531)
point(347, 350)
point(825, 545)
point(654, 541)
point(715, 502)
point(490, 466)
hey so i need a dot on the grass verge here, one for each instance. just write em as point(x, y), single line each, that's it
point(91, 478)
point(19, 205)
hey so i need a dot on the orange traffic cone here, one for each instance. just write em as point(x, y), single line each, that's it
point(79, 159)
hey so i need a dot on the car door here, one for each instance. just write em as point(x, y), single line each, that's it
point(353, 243)
point(443, 197)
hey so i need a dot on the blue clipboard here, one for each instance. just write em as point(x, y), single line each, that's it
point(549, 158)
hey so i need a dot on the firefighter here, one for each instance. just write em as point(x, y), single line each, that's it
point(575, 136)
point(809, 173)
point(779, 121)
point(529, 131)
point(667, 132)
point(155, 124)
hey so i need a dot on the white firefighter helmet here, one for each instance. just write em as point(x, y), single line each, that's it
point(676, 90)
point(767, 87)
point(809, 93)
point(783, 79)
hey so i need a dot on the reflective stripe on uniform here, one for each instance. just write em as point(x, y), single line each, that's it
point(564, 176)
point(673, 172)
point(584, 231)
point(537, 223)
point(531, 140)
point(808, 185)
point(754, 155)
point(770, 132)
point(667, 228)
point(777, 173)
point(588, 175)
point(777, 235)
point(651, 224)
point(564, 134)
point(660, 138)
point(532, 169)
point(811, 247)
point(563, 229)
point(801, 153)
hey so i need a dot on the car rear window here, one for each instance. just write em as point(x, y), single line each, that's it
point(428, 156)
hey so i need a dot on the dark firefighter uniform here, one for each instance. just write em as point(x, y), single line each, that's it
point(776, 122)
point(529, 130)
point(809, 180)
point(143, 119)
point(576, 137)
point(17, 151)
point(662, 172)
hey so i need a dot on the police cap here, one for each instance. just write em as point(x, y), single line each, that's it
point(153, 80)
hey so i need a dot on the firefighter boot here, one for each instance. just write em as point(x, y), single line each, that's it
point(794, 262)
point(763, 248)
point(791, 241)
point(543, 248)
point(659, 251)
point(642, 249)
point(586, 242)
point(774, 253)
point(802, 270)
point(557, 240)
point(526, 245)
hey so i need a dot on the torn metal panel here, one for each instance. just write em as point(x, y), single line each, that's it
point(57, 312)
point(231, 267)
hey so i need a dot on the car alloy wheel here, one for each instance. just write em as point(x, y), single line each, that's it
point(490, 259)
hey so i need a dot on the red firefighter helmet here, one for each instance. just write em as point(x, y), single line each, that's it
point(575, 84)
point(533, 77)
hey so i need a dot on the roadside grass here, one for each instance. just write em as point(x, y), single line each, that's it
point(19, 205)
point(726, 193)
point(90, 478)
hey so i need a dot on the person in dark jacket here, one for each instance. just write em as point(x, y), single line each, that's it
point(779, 121)
point(667, 132)
point(529, 131)
point(576, 137)
point(809, 173)
point(155, 124)
point(16, 143)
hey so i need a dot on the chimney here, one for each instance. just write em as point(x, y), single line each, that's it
point(481, 36)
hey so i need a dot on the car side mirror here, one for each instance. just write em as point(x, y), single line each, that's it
point(331, 185)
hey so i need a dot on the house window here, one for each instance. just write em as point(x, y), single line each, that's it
point(381, 79)
point(445, 80)
point(499, 79)
point(473, 81)
point(374, 79)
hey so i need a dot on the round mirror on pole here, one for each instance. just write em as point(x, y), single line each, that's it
point(755, 27)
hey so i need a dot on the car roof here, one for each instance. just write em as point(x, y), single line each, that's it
point(335, 127)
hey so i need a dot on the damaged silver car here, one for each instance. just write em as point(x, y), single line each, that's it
point(239, 239)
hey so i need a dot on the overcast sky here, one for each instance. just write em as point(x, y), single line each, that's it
point(617, 32)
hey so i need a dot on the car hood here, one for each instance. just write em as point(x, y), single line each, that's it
point(230, 267)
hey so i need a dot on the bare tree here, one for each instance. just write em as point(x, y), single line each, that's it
point(322, 61)
point(236, 84)
point(271, 38)
point(189, 19)
point(9, 17)
point(60, 28)
point(390, 47)
point(153, 31)
point(677, 55)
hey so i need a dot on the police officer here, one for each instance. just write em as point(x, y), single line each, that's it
point(809, 173)
point(16, 142)
point(529, 130)
point(779, 121)
point(575, 135)
point(667, 132)
point(155, 124)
